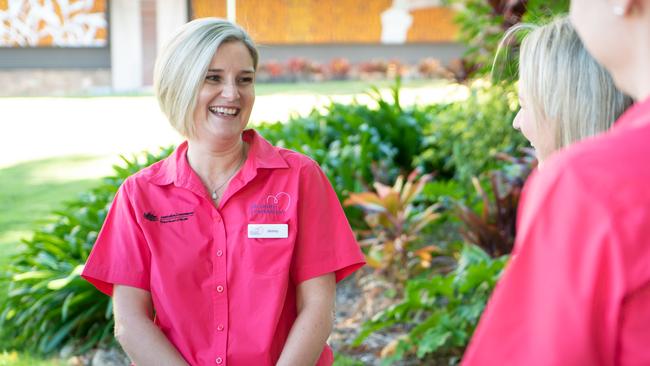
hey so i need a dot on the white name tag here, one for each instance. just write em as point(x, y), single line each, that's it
point(268, 230)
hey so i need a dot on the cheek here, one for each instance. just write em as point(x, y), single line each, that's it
point(203, 98)
point(249, 95)
point(527, 127)
point(516, 123)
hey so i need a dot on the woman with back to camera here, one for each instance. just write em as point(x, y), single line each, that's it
point(577, 292)
point(234, 244)
point(565, 96)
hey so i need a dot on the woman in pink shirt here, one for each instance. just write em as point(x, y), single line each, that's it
point(228, 251)
point(577, 292)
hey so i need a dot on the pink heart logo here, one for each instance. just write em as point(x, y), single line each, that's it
point(282, 199)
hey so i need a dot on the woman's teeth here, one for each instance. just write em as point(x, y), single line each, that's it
point(224, 111)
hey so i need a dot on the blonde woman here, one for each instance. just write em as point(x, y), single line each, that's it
point(565, 96)
point(577, 292)
point(235, 245)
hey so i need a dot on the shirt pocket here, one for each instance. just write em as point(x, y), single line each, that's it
point(268, 256)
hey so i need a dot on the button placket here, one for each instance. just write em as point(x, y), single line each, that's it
point(220, 293)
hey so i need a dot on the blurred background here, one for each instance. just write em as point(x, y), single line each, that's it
point(374, 90)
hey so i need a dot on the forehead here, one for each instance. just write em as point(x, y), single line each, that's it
point(233, 54)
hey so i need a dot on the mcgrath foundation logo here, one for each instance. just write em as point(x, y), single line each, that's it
point(273, 204)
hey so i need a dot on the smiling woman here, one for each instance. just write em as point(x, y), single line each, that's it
point(229, 283)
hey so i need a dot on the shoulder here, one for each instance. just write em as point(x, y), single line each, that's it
point(610, 169)
point(153, 174)
point(297, 160)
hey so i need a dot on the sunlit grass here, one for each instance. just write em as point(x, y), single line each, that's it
point(30, 191)
point(18, 359)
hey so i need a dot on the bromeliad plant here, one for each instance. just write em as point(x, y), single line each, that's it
point(394, 245)
point(493, 228)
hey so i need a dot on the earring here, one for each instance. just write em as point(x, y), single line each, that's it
point(618, 10)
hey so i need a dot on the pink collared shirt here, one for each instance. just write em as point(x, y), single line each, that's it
point(223, 281)
point(577, 290)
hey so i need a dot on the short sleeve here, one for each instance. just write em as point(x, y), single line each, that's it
point(558, 300)
point(120, 254)
point(325, 242)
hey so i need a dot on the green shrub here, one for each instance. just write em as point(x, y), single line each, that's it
point(483, 23)
point(463, 138)
point(356, 144)
point(48, 305)
point(343, 360)
point(438, 315)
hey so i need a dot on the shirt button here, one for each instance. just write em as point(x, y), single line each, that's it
point(219, 361)
point(219, 288)
point(219, 253)
point(220, 327)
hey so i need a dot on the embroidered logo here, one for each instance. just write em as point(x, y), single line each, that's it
point(168, 218)
point(151, 217)
point(176, 217)
point(273, 204)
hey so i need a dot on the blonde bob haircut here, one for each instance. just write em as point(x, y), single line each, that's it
point(563, 85)
point(183, 62)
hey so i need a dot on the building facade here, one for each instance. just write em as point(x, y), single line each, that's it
point(107, 46)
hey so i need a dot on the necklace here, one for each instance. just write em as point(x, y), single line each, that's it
point(215, 195)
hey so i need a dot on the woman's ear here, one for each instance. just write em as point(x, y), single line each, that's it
point(626, 7)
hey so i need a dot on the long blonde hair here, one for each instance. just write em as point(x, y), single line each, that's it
point(564, 85)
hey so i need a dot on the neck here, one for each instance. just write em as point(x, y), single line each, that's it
point(639, 76)
point(213, 164)
point(634, 73)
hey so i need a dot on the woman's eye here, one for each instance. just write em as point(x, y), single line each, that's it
point(213, 77)
point(246, 80)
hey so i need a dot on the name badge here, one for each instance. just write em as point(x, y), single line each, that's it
point(258, 231)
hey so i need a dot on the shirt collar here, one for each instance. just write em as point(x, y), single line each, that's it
point(261, 155)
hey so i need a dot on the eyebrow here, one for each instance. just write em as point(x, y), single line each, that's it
point(242, 71)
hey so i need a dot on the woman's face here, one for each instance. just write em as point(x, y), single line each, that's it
point(225, 100)
point(540, 134)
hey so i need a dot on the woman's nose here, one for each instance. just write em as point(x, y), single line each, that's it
point(230, 91)
point(516, 123)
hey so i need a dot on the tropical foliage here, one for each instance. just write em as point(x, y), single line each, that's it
point(48, 305)
point(438, 314)
point(484, 22)
point(394, 239)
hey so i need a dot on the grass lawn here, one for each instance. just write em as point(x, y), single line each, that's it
point(16, 359)
point(30, 190)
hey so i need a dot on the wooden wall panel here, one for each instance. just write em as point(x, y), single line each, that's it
point(327, 21)
point(208, 8)
point(433, 25)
